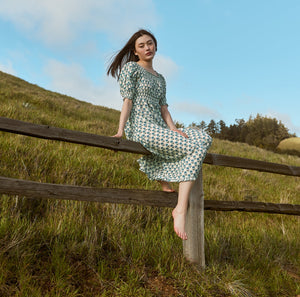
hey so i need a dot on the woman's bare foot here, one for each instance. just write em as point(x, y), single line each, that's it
point(166, 187)
point(179, 223)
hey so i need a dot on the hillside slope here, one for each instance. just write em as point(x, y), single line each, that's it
point(67, 248)
point(290, 145)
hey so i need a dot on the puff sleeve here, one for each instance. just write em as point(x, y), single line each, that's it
point(127, 80)
point(163, 99)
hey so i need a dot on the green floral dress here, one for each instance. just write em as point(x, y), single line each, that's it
point(174, 158)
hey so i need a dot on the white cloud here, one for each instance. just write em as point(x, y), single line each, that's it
point(286, 120)
point(195, 109)
point(58, 22)
point(166, 66)
point(7, 67)
point(71, 80)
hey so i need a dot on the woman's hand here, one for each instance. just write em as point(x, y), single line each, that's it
point(168, 119)
point(181, 133)
point(118, 135)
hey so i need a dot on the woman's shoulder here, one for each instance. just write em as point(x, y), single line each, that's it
point(130, 65)
point(129, 68)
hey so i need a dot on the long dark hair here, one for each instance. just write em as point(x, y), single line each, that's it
point(126, 54)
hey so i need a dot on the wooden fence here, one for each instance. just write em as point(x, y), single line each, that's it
point(193, 247)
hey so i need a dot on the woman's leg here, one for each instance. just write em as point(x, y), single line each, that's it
point(179, 212)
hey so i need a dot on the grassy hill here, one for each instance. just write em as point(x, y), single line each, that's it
point(290, 145)
point(68, 248)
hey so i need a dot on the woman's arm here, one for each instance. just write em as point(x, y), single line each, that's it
point(168, 119)
point(125, 112)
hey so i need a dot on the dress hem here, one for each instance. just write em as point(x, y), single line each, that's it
point(171, 180)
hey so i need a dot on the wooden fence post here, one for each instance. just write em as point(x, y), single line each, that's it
point(193, 247)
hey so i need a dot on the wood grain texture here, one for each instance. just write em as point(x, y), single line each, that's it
point(193, 247)
point(118, 144)
point(250, 164)
point(53, 133)
point(31, 189)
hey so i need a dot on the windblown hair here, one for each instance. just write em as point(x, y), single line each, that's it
point(126, 54)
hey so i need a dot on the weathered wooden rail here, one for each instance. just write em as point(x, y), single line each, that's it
point(194, 246)
point(34, 189)
point(53, 133)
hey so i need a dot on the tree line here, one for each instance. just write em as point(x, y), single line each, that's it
point(261, 131)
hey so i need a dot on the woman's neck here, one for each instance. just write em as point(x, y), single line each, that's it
point(146, 64)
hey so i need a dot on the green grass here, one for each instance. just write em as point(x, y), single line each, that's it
point(290, 145)
point(68, 248)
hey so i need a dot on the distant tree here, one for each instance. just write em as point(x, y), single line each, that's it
point(260, 131)
point(223, 129)
point(211, 128)
point(193, 124)
point(222, 125)
point(217, 129)
point(265, 132)
point(179, 125)
point(241, 130)
point(202, 125)
point(233, 133)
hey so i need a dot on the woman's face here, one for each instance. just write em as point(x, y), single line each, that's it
point(145, 48)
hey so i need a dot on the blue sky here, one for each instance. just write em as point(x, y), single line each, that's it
point(223, 60)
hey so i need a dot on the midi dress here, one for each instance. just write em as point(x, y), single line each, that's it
point(174, 157)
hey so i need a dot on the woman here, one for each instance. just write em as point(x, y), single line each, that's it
point(177, 155)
